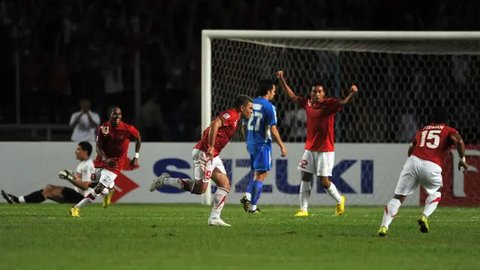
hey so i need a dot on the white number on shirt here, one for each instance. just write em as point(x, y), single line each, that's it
point(254, 122)
point(431, 137)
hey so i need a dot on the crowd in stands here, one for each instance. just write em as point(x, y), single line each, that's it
point(58, 52)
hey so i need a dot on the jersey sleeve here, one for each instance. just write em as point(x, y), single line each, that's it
point(134, 133)
point(302, 102)
point(229, 117)
point(334, 104)
point(271, 113)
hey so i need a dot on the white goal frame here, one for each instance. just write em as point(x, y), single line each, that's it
point(209, 35)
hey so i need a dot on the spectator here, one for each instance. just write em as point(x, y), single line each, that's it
point(84, 122)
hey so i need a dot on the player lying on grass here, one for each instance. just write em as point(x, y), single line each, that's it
point(80, 179)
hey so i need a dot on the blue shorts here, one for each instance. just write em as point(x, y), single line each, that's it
point(261, 157)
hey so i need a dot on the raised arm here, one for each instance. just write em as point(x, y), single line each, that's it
point(457, 139)
point(290, 94)
point(348, 98)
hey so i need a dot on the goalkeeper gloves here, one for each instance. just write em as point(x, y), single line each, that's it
point(66, 175)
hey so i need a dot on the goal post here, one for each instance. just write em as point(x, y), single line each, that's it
point(401, 76)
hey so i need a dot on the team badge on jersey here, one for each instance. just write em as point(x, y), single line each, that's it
point(105, 130)
point(226, 115)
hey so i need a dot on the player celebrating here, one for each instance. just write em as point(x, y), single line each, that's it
point(427, 152)
point(260, 128)
point(113, 139)
point(80, 178)
point(319, 155)
point(207, 163)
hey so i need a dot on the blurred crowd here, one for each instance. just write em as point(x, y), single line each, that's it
point(58, 52)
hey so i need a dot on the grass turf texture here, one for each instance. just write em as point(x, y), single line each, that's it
point(164, 236)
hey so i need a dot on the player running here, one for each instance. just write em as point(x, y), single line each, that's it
point(206, 160)
point(113, 139)
point(427, 152)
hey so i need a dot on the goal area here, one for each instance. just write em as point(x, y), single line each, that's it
point(401, 77)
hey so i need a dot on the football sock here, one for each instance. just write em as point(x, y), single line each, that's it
point(391, 210)
point(332, 190)
point(186, 184)
point(218, 202)
point(431, 203)
point(34, 197)
point(249, 190)
point(305, 190)
point(173, 182)
point(88, 199)
point(256, 192)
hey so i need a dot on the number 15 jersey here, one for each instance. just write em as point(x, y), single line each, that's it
point(433, 142)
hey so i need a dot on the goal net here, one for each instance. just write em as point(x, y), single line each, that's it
point(401, 76)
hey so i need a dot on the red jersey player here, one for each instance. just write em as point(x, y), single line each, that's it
point(207, 163)
point(319, 155)
point(427, 152)
point(113, 139)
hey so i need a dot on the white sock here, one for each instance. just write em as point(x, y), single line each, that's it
point(305, 191)
point(219, 199)
point(21, 199)
point(87, 200)
point(173, 182)
point(391, 210)
point(248, 195)
point(253, 207)
point(332, 190)
point(431, 203)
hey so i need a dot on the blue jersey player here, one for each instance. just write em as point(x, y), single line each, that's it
point(261, 127)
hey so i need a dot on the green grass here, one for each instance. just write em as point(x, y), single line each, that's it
point(146, 236)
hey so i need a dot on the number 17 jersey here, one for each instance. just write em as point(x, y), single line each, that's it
point(433, 142)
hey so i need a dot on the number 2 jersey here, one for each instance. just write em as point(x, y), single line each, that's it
point(433, 142)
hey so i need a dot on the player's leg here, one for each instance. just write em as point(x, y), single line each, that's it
point(259, 177)
point(200, 172)
point(71, 196)
point(106, 181)
point(262, 163)
point(431, 181)
point(325, 161)
point(34, 197)
point(307, 167)
point(54, 193)
point(247, 197)
point(407, 183)
point(219, 198)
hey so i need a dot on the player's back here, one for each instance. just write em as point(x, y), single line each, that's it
point(258, 127)
point(433, 142)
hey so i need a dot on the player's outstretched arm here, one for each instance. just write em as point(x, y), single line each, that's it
point(348, 98)
point(457, 139)
point(278, 139)
point(286, 88)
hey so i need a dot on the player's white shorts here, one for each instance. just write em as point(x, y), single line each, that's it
point(317, 163)
point(107, 178)
point(203, 170)
point(418, 171)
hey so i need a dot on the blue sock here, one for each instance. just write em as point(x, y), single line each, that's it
point(257, 191)
point(250, 186)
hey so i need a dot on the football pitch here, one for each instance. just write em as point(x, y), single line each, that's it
point(176, 236)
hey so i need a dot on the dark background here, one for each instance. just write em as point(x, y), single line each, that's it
point(72, 49)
